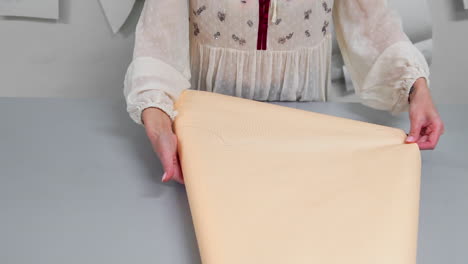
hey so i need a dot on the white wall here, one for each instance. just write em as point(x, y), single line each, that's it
point(79, 57)
point(450, 62)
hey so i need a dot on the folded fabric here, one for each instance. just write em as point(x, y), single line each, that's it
point(271, 184)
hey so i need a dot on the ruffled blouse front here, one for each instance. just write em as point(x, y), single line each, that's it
point(268, 50)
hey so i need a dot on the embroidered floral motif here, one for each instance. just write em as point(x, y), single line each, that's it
point(307, 33)
point(241, 41)
point(199, 10)
point(196, 30)
point(307, 14)
point(283, 40)
point(250, 23)
point(217, 35)
point(324, 27)
point(278, 20)
point(325, 7)
point(221, 16)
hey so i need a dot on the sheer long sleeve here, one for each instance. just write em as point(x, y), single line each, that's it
point(382, 61)
point(160, 69)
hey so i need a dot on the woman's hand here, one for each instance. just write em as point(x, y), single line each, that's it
point(426, 125)
point(158, 126)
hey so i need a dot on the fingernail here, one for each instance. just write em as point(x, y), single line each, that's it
point(164, 177)
point(410, 139)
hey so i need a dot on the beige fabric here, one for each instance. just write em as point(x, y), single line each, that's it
point(212, 46)
point(270, 184)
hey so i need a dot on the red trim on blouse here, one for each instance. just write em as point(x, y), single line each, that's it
point(263, 10)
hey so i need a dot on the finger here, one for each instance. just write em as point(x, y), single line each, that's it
point(178, 176)
point(169, 168)
point(426, 145)
point(433, 138)
point(415, 132)
point(165, 149)
point(423, 138)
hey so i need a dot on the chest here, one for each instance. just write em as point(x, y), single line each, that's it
point(260, 24)
point(254, 6)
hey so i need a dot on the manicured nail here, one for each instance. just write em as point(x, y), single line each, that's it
point(410, 139)
point(164, 177)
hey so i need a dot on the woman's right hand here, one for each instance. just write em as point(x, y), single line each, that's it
point(158, 126)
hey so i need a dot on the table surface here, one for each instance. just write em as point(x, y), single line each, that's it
point(79, 183)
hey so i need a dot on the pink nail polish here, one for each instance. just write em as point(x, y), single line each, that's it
point(164, 177)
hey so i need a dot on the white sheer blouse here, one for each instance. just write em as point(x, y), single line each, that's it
point(269, 50)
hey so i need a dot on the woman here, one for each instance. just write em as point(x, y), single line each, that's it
point(272, 50)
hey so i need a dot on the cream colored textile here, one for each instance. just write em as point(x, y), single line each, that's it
point(270, 184)
point(211, 45)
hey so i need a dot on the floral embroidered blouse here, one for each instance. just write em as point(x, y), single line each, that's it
point(269, 50)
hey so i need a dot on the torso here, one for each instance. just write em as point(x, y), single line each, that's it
point(237, 49)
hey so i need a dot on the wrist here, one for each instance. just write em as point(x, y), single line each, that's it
point(418, 88)
point(156, 118)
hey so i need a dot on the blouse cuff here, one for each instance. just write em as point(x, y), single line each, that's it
point(391, 77)
point(401, 95)
point(151, 98)
point(151, 82)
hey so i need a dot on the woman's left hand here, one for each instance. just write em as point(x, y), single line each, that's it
point(426, 125)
